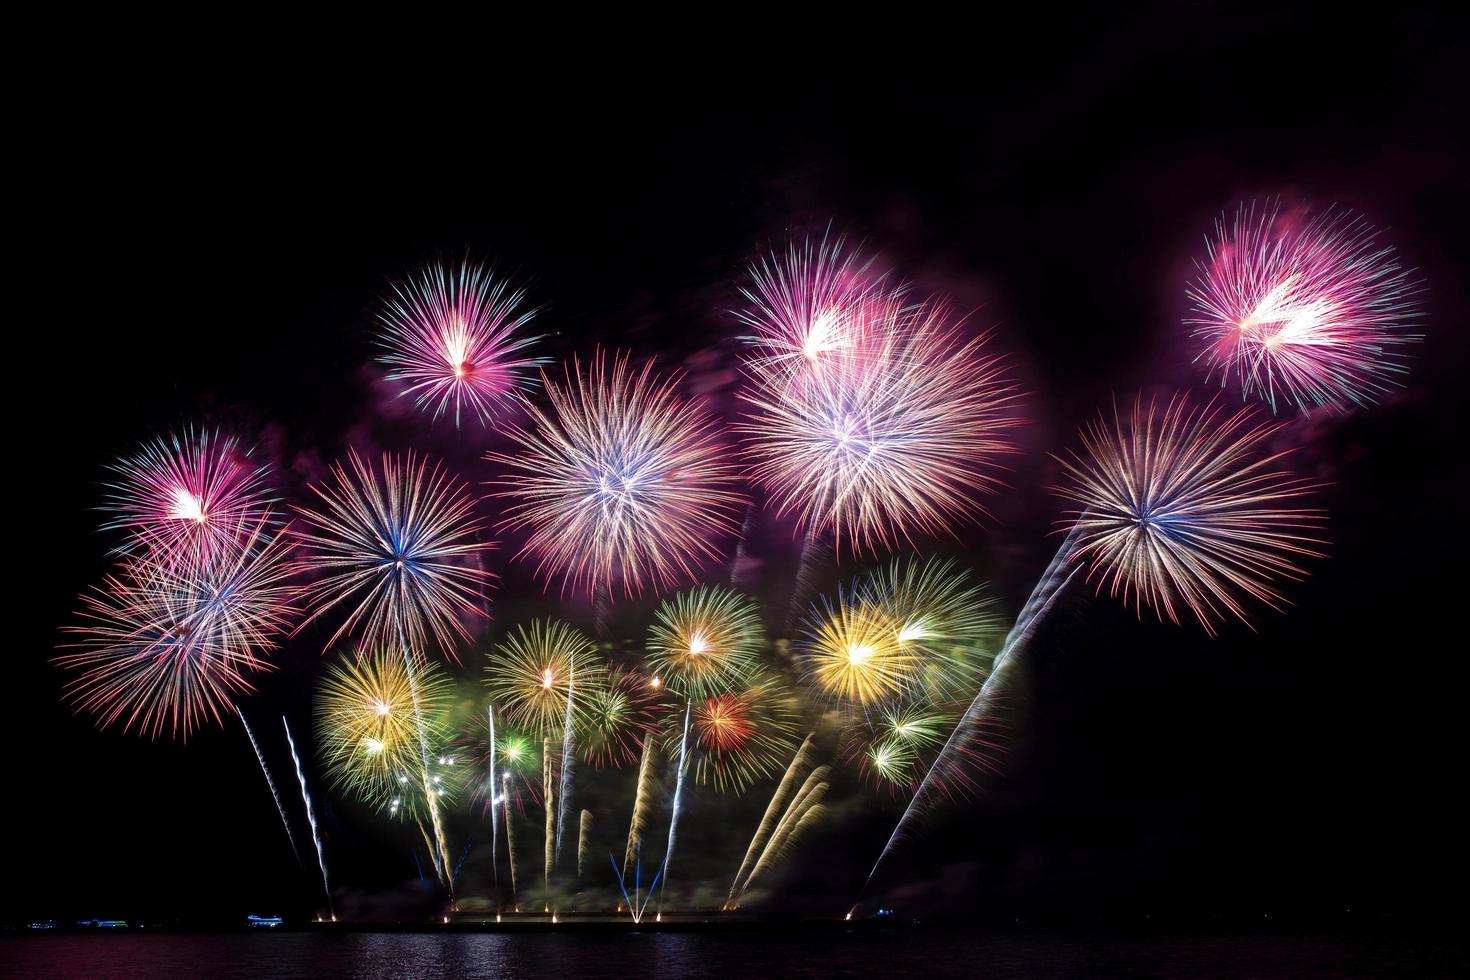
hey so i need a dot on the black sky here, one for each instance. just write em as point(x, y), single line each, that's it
point(208, 243)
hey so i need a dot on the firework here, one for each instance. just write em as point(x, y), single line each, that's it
point(370, 714)
point(942, 615)
point(900, 441)
point(456, 337)
point(620, 483)
point(804, 308)
point(189, 494)
point(805, 811)
point(618, 717)
point(642, 803)
point(165, 643)
point(1311, 312)
point(584, 839)
point(510, 846)
point(772, 814)
point(739, 736)
point(1179, 507)
point(852, 655)
point(316, 837)
point(270, 782)
point(398, 546)
point(530, 675)
point(705, 641)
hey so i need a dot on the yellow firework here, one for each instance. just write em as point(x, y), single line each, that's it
point(941, 615)
point(368, 728)
point(705, 641)
point(853, 655)
point(537, 670)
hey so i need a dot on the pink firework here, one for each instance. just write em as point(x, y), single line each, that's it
point(1312, 312)
point(169, 644)
point(1182, 508)
point(620, 482)
point(803, 307)
point(898, 441)
point(397, 546)
point(188, 494)
point(457, 338)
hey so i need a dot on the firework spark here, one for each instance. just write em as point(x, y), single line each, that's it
point(705, 641)
point(398, 545)
point(897, 442)
point(188, 494)
point(852, 655)
point(736, 737)
point(619, 716)
point(530, 675)
point(1311, 312)
point(1179, 507)
point(368, 728)
point(456, 337)
point(804, 308)
point(620, 483)
point(165, 643)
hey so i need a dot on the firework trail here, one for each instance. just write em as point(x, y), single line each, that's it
point(805, 811)
point(187, 495)
point(510, 844)
point(674, 813)
point(620, 482)
point(265, 771)
point(548, 795)
point(900, 441)
point(1058, 573)
point(490, 778)
point(563, 792)
point(642, 804)
point(455, 336)
point(584, 837)
point(1311, 312)
point(316, 837)
point(768, 821)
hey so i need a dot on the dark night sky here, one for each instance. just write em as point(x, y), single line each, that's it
point(210, 248)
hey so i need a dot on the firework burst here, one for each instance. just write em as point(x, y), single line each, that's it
point(899, 441)
point(368, 727)
point(398, 545)
point(534, 673)
point(620, 483)
point(852, 655)
point(170, 643)
point(804, 308)
point(456, 337)
point(620, 714)
point(187, 494)
point(1311, 312)
point(705, 641)
point(737, 737)
point(1180, 508)
point(941, 614)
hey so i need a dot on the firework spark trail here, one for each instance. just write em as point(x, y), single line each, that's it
point(806, 801)
point(430, 797)
point(813, 554)
point(510, 842)
point(548, 792)
point(642, 804)
point(674, 815)
point(316, 837)
point(584, 837)
point(275, 794)
point(1058, 573)
point(563, 790)
point(494, 823)
point(773, 811)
